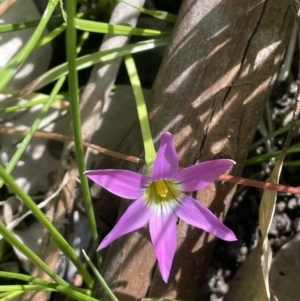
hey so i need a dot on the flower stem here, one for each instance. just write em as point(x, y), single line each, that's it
point(150, 153)
point(41, 217)
point(75, 112)
point(100, 278)
point(14, 241)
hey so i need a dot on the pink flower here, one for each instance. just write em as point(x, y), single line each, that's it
point(160, 199)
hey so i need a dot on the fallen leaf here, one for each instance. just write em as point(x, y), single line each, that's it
point(251, 282)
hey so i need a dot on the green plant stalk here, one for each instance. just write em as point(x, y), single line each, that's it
point(100, 278)
point(54, 33)
point(101, 27)
point(32, 103)
point(11, 296)
point(83, 39)
point(56, 288)
point(24, 106)
point(90, 60)
point(9, 70)
point(25, 25)
point(39, 281)
point(272, 135)
point(24, 287)
point(17, 155)
point(74, 292)
point(265, 157)
point(50, 36)
point(158, 14)
point(76, 121)
point(13, 240)
point(150, 153)
point(291, 163)
point(40, 216)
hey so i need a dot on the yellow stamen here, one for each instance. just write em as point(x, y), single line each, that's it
point(163, 192)
point(161, 188)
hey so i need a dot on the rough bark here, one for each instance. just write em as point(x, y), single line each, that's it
point(210, 92)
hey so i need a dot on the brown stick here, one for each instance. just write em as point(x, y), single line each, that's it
point(6, 5)
point(225, 178)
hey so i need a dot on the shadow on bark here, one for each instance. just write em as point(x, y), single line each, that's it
point(210, 92)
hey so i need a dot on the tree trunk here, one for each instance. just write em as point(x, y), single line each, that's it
point(210, 92)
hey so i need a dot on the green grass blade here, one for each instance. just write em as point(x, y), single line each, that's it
point(51, 287)
point(100, 27)
point(50, 36)
point(76, 120)
point(23, 106)
point(150, 153)
point(158, 14)
point(13, 240)
point(92, 59)
point(74, 292)
point(39, 281)
point(266, 157)
point(40, 216)
point(11, 296)
point(9, 70)
point(25, 25)
point(100, 278)
point(33, 99)
point(272, 135)
point(24, 287)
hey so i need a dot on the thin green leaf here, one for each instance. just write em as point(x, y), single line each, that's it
point(9, 70)
point(76, 119)
point(24, 287)
point(265, 157)
point(51, 36)
point(100, 278)
point(74, 292)
point(90, 60)
point(35, 99)
point(158, 14)
point(14, 241)
point(51, 287)
point(272, 135)
point(100, 27)
point(25, 25)
point(150, 153)
point(10, 296)
point(158, 299)
point(40, 216)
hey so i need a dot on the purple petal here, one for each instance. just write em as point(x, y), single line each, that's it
point(166, 163)
point(124, 183)
point(164, 239)
point(199, 216)
point(202, 174)
point(136, 216)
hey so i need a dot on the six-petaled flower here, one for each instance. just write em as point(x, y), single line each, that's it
point(161, 198)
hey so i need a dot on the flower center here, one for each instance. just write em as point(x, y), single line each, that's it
point(161, 188)
point(163, 191)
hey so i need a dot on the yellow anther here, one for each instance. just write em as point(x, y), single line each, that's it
point(161, 188)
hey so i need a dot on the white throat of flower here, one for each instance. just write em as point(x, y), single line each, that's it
point(163, 196)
